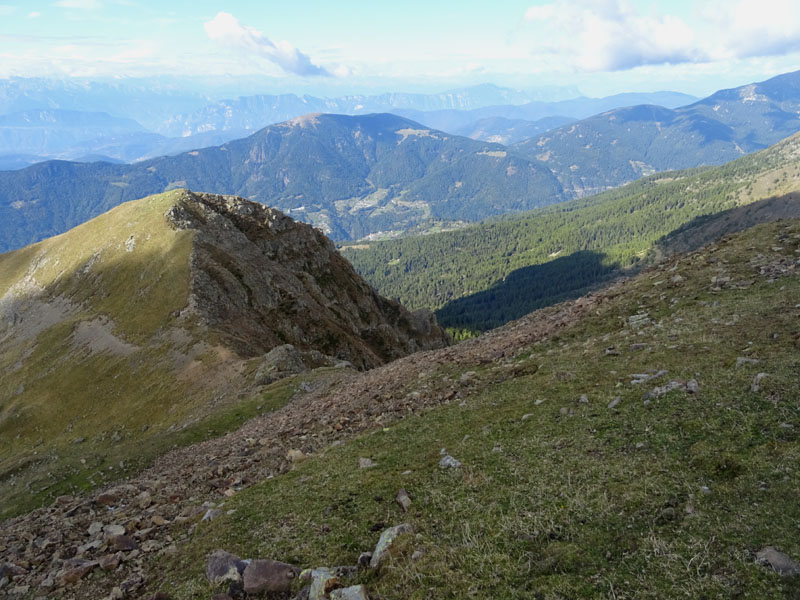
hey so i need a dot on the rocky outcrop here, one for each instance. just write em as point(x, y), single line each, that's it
point(263, 280)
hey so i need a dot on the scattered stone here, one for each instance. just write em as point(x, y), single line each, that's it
point(76, 569)
point(466, 377)
point(663, 390)
point(366, 463)
point(755, 387)
point(121, 543)
point(639, 320)
point(692, 386)
point(107, 499)
point(676, 279)
point(527, 416)
point(295, 456)
point(224, 567)
point(109, 562)
point(386, 542)
point(611, 351)
point(615, 402)
point(210, 514)
point(354, 592)
point(448, 462)
point(403, 499)
point(705, 490)
point(158, 520)
point(743, 360)
point(779, 561)
point(112, 530)
point(323, 582)
point(95, 528)
point(269, 576)
point(417, 554)
point(584, 399)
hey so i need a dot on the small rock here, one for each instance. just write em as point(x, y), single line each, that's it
point(448, 462)
point(527, 416)
point(366, 463)
point(295, 456)
point(403, 500)
point(323, 582)
point(755, 387)
point(386, 541)
point(95, 528)
point(158, 520)
point(615, 402)
point(109, 562)
point(76, 569)
point(417, 554)
point(692, 386)
point(779, 561)
point(111, 530)
point(354, 592)
point(121, 543)
point(210, 514)
point(584, 399)
point(743, 360)
point(466, 377)
point(224, 567)
point(611, 351)
point(269, 576)
point(107, 499)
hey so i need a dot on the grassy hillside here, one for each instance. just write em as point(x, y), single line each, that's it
point(487, 274)
point(579, 478)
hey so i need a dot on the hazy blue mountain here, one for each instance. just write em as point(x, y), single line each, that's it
point(350, 175)
point(509, 131)
point(621, 145)
point(576, 108)
point(48, 132)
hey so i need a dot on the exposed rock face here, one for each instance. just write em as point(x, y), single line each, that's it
point(263, 280)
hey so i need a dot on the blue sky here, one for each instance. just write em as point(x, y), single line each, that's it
point(329, 48)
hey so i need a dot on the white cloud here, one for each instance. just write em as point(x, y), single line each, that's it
point(753, 28)
point(34, 15)
point(79, 4)
point(612, 35)
point(228, 30)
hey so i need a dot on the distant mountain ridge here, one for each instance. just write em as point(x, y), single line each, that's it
point(350, 175)
point(621, 145)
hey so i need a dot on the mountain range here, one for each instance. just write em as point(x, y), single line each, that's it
point(383, 175)
point(351, 176)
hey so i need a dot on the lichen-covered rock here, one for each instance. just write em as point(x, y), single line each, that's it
point(323, 582)
point(264, 575)
point(386, 541)
point(354, 592)
point(224, 567)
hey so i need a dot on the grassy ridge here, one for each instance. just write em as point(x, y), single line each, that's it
point(560, 498)
point(608, 232)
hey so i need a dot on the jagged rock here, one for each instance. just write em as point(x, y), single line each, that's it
point(354, 592)
point(386, 542)
point(76, 569)
point(109, 562)
point(323, 581)
point(779, 561)
point(266, 575)
point(95, 528)
point(403, 499)
point(263, 280)
point(224, 567)
point(279, 362)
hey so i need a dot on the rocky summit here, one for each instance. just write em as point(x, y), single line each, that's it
point(148, 326)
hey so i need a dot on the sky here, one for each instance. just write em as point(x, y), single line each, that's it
point(330, 48)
